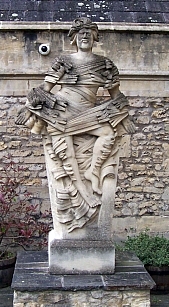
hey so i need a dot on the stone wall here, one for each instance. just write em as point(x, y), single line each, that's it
point(142, 198)
point(26, 150)
point(141, 54)
point(128, 298)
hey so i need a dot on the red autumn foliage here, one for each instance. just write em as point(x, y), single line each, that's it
point(21, 222)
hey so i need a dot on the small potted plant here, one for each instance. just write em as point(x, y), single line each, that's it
point(153, 251)
point(21, 223)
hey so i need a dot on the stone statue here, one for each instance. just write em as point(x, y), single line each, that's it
point(79, 131)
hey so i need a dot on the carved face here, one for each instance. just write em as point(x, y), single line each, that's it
point(85, 39)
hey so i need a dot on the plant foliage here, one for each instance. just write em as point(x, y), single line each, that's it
point(151, 250)
point(21, 224)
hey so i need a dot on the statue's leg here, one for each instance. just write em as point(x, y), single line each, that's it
point(64, 148)
point(101, 151)
point(70, 164)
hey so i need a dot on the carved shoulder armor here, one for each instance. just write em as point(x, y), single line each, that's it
point(61, 71)
point(59, 67)
point(110, 73)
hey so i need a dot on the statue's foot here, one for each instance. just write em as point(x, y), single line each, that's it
point(91, 200)
point(94, 202)
point(94, 180)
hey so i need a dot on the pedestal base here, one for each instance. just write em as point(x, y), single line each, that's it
point(80, 256)
point(34, 286)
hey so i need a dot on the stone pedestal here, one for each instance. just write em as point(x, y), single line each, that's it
point(80, 256)
point(34, 286)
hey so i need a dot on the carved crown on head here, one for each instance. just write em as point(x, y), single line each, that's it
point(80, 23)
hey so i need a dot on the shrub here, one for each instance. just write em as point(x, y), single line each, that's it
point(151, 250)
point(21, 224)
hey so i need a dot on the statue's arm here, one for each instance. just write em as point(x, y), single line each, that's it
point(114, 91)
point(122, 103)
point(42, 95)
point(47, 86)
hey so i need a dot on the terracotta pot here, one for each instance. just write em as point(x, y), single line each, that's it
point(6, 271)
point(160, 275)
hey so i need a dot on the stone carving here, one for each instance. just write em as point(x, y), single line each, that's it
point(79, 131)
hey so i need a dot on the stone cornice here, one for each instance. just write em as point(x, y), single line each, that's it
point(103, 26)
point(122, 73)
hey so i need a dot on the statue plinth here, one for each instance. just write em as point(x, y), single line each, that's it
point(80, 256)
point(33, 285)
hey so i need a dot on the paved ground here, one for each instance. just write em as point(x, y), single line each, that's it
point(157, 300)
point(6, 297)
point(160, 300)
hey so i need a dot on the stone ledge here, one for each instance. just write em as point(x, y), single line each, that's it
point(32, 274)
point(62, 26)
point(131, 74)
point(133, 86)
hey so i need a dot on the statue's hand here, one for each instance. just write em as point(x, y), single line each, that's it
point(23, 115)
point(128, 125)
point(111, 84)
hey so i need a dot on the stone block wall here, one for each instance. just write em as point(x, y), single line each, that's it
point(26, 150)
point(142, 197)
point(141, 54)
point(126, 298)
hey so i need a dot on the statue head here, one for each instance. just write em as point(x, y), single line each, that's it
point(83, 23)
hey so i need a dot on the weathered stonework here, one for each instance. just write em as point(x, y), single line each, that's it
point(128, 287)
point(99, 298)
point(138, 51)
point(142, 196)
